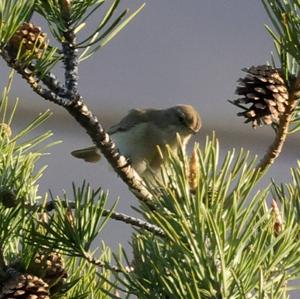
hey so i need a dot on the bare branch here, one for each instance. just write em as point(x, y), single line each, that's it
point(70, 57)
point(281, 135)
point(50, 80)
point(49, 206)
point(104, 265)
point(103, 141)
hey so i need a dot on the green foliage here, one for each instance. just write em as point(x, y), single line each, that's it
point(19, 154)
point(286, 21)
point(62, 17)
point(99, 39)
point(288, 195)
point(12, 14)
point(72, 229)
point(24, 220)
point(19, 177)
point(285, 18)
point(49, 59)
point(220, 240)
point(78, 12)
point(90, 281)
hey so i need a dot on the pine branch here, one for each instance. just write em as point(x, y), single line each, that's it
point(50, 80)
point(104, 142)
point(27, 74)
point(281, 135)
point(70, 99)
point(94, 129)
point(118, 217)
point(101, 264)
point(284, 16)
point(136, 222)
point(71, 64)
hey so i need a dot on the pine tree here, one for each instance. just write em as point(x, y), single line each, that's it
point(205, 230)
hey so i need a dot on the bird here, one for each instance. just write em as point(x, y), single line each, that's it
point(142, 136)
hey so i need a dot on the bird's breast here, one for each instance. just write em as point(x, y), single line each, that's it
point(140, 142)
point(137, 144)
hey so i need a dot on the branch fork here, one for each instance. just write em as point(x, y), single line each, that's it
point(69, 98)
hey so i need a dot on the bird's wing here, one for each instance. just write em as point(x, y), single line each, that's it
point(134, 116)
point(89, 154)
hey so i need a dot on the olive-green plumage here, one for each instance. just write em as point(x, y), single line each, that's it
point(139, 134)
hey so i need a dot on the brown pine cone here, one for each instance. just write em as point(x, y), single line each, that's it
point(264, 95)
point(25, 286)
point(51, 268)
point(33, 40)
point(8, 198)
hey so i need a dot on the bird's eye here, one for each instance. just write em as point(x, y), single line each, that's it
point(181, 118)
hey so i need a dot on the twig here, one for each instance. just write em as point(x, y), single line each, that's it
point(103, 141)
point(27, 74)
point(136, 222)
point(49, 206)
point(50, 80)
point(53, 84)
point(86, 119)
point(69, 51)
point(71, 64)
point(102, 264)
point(281, 135)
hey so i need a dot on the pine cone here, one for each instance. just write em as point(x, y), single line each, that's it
point(8, 198)
point(25, 286)
point(32, 39)
point(51, 268)
point(265, 91)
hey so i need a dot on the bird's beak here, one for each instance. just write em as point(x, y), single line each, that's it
point(193, 130)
